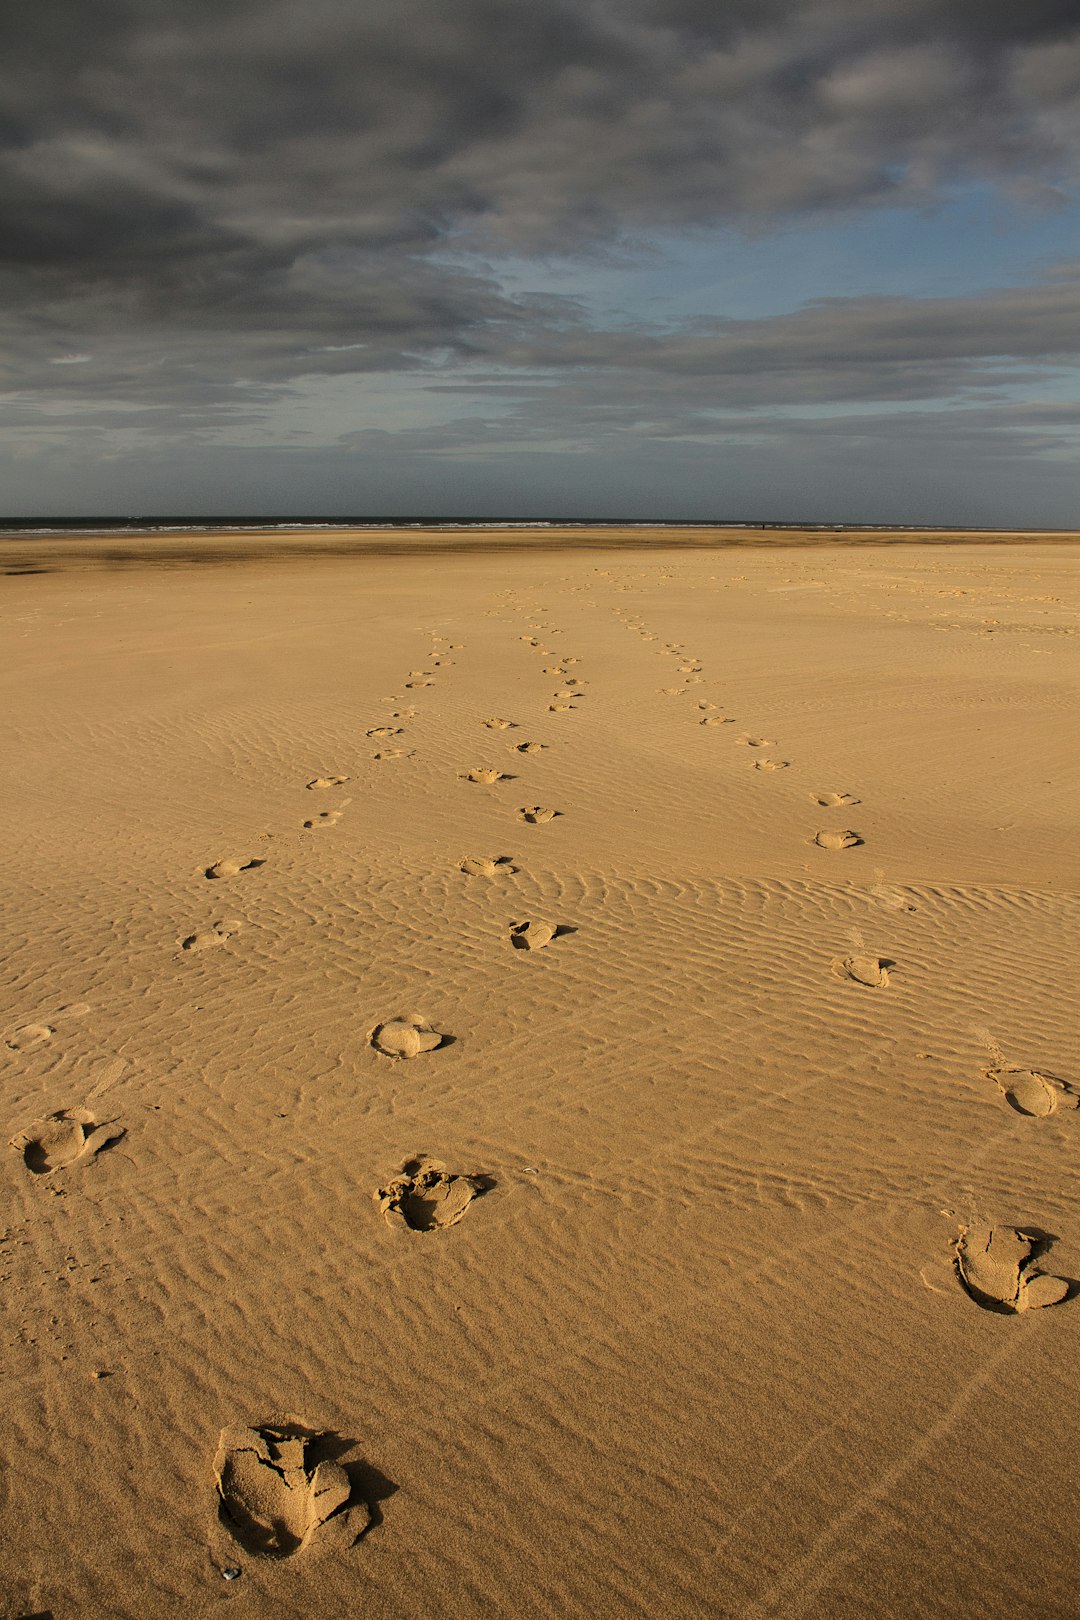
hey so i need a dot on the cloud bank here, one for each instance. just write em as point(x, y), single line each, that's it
point(204, 200)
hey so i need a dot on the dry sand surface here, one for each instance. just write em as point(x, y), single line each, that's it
point(542, 1084)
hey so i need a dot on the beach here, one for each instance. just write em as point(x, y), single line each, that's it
point(576, 1038)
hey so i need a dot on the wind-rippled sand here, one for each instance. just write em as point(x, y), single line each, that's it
point(542, 1084)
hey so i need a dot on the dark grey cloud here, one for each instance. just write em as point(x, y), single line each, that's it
point(199, 191)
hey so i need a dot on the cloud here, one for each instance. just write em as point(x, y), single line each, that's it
point(201, 192)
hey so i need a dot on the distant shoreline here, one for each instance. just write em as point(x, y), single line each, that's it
point(26, 552)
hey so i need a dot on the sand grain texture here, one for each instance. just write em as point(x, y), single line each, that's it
point(776, 1139)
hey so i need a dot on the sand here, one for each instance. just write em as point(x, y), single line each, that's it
point(541, 1083)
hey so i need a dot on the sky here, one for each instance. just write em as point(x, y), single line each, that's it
point(789, 260)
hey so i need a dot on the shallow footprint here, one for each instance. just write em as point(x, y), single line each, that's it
point(486, 775)
point(833, 801)
point(536, 813)
point(1030, 1092)
point(869, 970)
point(774, 765)
point(836, 838)
point(325, 818)
point(383, 731)
point(406, 1037)
point(528, 747)
point(496, 724)
point(715, 720)
point(216, 934)
point(481, 866)
point(426, 1197)
point(996, 1266)
point(231, 868)
point(328, 781)
point(29, 1036)
point(62, 1139)
point(559, 708)
point(273, 1498)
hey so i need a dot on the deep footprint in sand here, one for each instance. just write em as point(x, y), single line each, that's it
point(231, 868)
point(482, 866)
point(28, 1036)
point(833, 801)
point(383, 731)
point(63, 1139)
point(773, 765)
point(537, 813)
point(406, 1037)
point(836, 838)
point(872, 971)
point(528, 747)
point(274, 1499)
point(497, 724)
point(715, 720)
point(1035, 1094)
point(206, 938)
point(393, 753)
point(754, 742)
point(426, 1197)
point(996, 1265)
point(320, 782)
point(533, 936)
point(560, 708)
point(325, 818)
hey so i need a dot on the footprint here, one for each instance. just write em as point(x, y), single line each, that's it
point(776, 765)
point(838, 838)
point(672, 691)
point(559, 708)
point(1030, 1092)
point(28, 1036)
point(996, 1266)
point(231, 868)
point(891, 899)
point(393, 753)
point(274, 1498)
point(496, 724)
point(328, 781)
point(869, 970)
point(411, 685)
point(528, 747)
point(406, 1037)
point(381, 731)
point(216, 934)
point(715, 720)
point(62, 1139)
point(481, 866)
point(833, 801)
point(553, 669)
point(426, 1197)
point(325, 818)
point(486, 775)
point(754, 742)
point(538, 812)
point(532, 936)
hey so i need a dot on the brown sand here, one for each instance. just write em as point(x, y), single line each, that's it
point(662, 1207)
